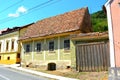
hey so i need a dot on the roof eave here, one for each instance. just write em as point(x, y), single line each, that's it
point(108, 2)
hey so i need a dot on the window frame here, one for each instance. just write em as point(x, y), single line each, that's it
point(38, 49)
point(51, 46)
point(0, 46)
point(0, 57)
point(18, 55)
point(12, 44)
point(8, 58)
point(66, 45)
point(7, 45)
point(27, 49)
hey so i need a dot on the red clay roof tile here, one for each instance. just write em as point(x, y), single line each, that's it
point(66, 22)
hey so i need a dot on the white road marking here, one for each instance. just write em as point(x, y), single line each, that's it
point(4, 77)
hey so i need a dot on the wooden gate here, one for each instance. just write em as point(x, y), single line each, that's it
point(92, 56)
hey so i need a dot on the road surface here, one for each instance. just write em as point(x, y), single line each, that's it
point(10, 74)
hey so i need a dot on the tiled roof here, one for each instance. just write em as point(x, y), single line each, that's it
point(70, 21)
point(3, 30)
point(90, 36)
point(8, 30)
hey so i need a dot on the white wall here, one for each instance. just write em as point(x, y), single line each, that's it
point(9, 37)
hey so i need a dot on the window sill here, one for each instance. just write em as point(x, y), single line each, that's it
point(27, 53)
point(67, 51)
point(12, 50)
point(52, 52)
point(39, 52)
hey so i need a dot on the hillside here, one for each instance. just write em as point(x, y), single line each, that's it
point(99, 21)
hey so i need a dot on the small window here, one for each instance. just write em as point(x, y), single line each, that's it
point(12, 45)
point(7, 44)
point(0, 57)
point(51, 46)
point(67, 44)
point(38, 47)
point(28, 48)
point(18, 55)
point(8, 58)
point(0, 46)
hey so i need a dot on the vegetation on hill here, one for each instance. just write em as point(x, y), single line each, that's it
point(99, 21)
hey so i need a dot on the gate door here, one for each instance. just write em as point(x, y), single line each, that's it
point(92, 56)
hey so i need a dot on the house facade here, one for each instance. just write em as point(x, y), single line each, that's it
point(47, 43)
point(113, 13)
point(9, 52)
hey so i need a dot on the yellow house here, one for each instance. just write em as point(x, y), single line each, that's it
point(9, 52)
point(9, 44)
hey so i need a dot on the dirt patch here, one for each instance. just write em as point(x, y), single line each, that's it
point(103, 75)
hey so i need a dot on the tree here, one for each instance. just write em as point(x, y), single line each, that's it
point(99, 21)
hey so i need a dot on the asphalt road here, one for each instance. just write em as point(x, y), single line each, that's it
point(10, 74)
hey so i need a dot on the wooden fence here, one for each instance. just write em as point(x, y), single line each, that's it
point(92, 56)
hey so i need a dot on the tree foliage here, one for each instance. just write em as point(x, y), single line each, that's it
point(99, 21)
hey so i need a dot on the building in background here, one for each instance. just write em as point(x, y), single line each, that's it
point(9, 51)
point(9, 44)
point(113, 16)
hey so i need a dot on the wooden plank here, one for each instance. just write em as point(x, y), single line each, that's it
point(77, 58)
point(89, 60)
point(92, 54)
point(80, 58)
point(92, 57)
point(98, 57)
point(85, 57)
point(108, 55)
point(101, 57)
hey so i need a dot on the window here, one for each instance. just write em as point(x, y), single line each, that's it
point(28, 48)
point(38, 47)
point(18, 55)
point(12, 47)
point(0, 46)
point(67, 44)
point(51, 46)
point(8, 58)
point(7, 44)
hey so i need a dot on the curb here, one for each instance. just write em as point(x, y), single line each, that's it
point(41, 73)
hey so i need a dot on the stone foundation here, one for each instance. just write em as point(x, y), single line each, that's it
point(60, 65)
point(114, 73)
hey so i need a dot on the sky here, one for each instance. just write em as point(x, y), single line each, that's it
point(17, 13)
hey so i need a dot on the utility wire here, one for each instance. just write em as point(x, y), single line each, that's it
point(8, 18)
point(10, 6)
point(40, 4)
point(31, 9)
